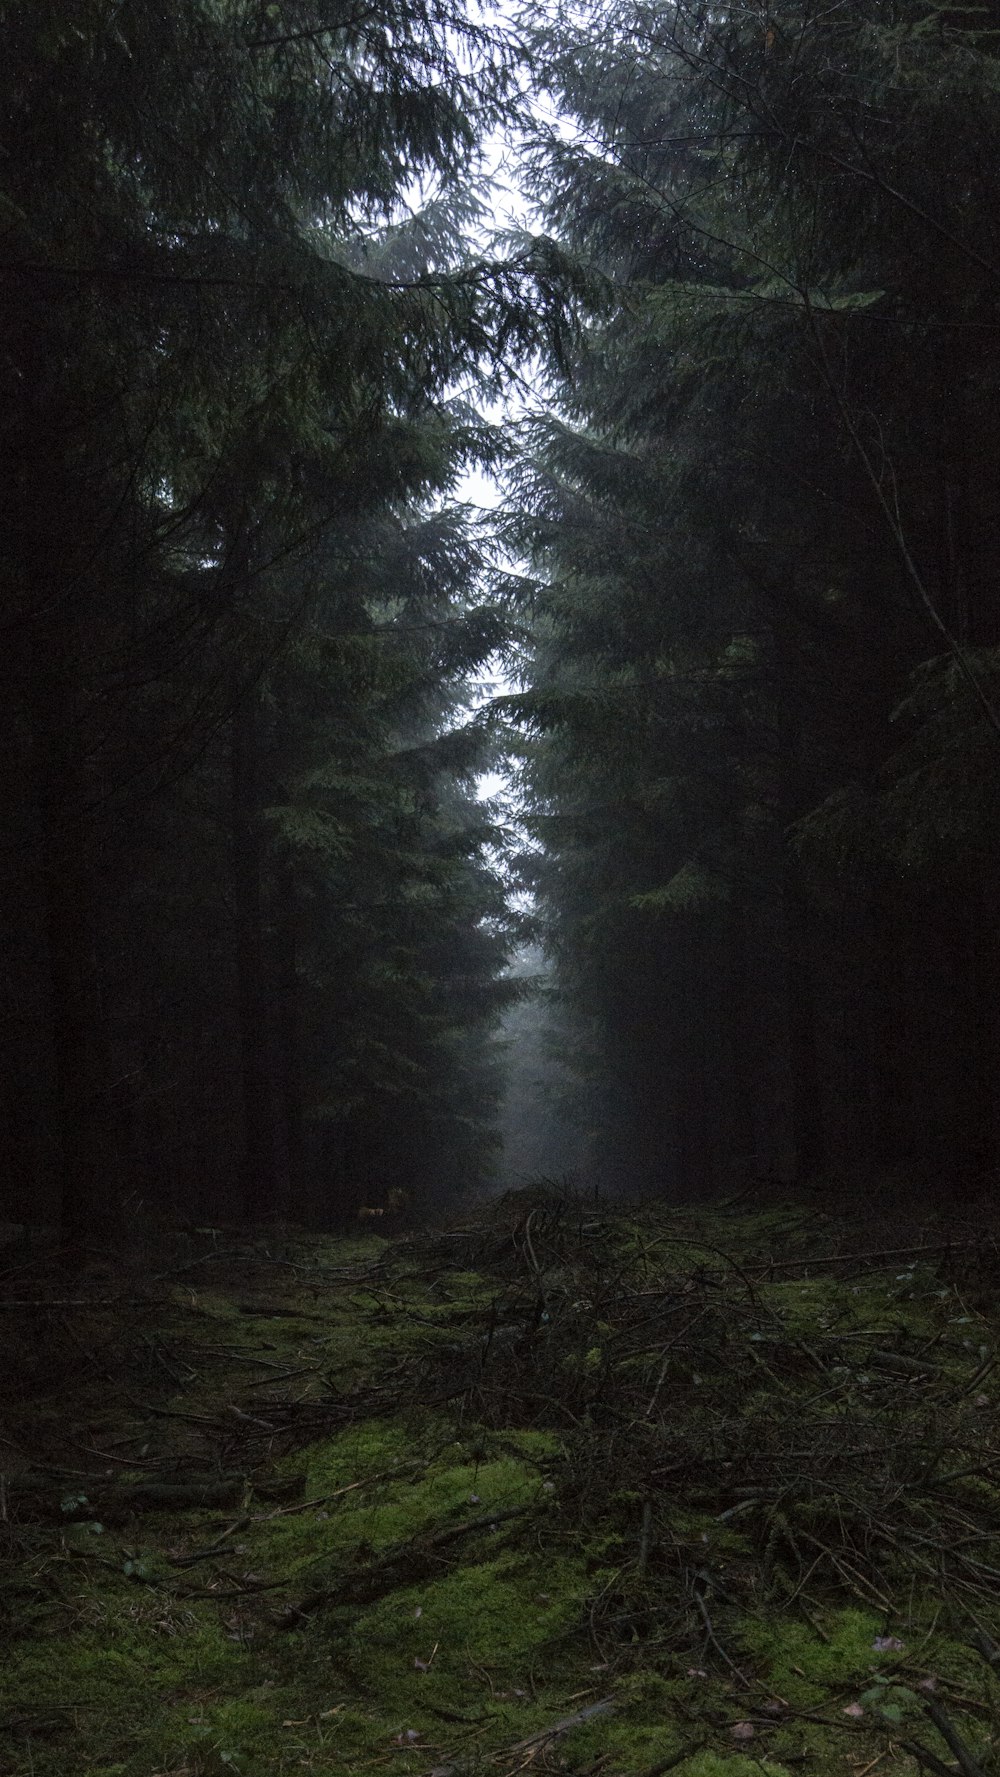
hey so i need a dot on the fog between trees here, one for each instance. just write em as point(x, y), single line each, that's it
point(257, 928)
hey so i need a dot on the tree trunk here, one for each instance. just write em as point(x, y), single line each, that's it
point(289, 1044)
point(807, 1098)
point(800, 983)
point(262, 1184)
point(980, 1014)
point(88, 1161)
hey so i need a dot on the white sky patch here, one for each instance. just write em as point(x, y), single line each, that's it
point(506, 208)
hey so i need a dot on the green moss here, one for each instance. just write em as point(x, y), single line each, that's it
point(801, 1667)
point(735, 1764)
point(467, 1287)
point(632, 1745)
point(122, 1677)
point(641, 1730)
point(382, 1513)
point(496, 1613)
point(121, 1683)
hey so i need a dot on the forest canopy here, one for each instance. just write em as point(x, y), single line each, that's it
point(258, 922)
point(760, 710)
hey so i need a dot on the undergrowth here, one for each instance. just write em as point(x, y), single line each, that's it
point(566, 1491)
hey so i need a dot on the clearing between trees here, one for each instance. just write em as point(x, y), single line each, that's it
point(568, 1489)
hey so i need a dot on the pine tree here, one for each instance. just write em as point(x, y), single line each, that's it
point(760, 512)
point(226, 346)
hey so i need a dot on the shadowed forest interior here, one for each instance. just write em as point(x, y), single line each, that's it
point(499, 840)
point(730, 637)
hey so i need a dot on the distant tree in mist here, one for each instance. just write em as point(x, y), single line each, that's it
point(543, 1115)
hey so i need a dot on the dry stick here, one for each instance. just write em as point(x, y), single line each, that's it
point(389, 1563)
point(91, 1356)
point(957, 1696)
point(969, 1766)
point(216, 1548)
point(877, 1760)
point(597, 1765)
point(249, 1418)
point(899, 1252)
point(850, 1576)
point(983, 1643)
point(645, 1536)
point(926, 1758)
point(568, 1721)
point(239, 1354)
point(239, 1591)
point(654, 1397)
point(903, 1366)
point(720, 1253)
point(284, 1376)
point(817, 1628)
point(978, 1376)
point(700, 1602)
point(175, 1413)
point(80, 1302)
point(116, 1501)
point(323, 1499)
point(527, 1241)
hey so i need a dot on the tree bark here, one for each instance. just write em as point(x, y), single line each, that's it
point(800, 982)
point(289, 1042)
point(807, 1097)
point(88, 1160)
point(262, 1185)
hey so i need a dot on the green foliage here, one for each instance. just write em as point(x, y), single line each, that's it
point(690, 886)
point(241, 294)
point(762, 498)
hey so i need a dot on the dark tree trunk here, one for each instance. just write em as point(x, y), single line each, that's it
point(263, 1186)
point(800, 979)
point(741, 1020)
point(981, 1023)
point(806, 1087)
point(87, 1157)
point(289, 1042)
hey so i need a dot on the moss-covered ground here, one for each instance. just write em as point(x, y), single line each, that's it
point(563, 1490)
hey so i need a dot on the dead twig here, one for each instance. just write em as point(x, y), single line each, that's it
point(575, 1720)
point(969, 1765)
point(925, 1757)
point(381, 1576)
point(889, 1254)
point(216, 1548)
point(715, 1642)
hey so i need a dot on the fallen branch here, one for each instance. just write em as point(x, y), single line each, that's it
point(39, 1498)
point(969, 1766)
point(888, 1254)
point(399, 1566)
point(216, 1548)
point(928, 1759)
point(713, 1640)
point(895, 1361)
point(36, 1499)
point(575, 1720)
point(265, 1311)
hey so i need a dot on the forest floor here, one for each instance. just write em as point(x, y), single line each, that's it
point(569, 1490)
